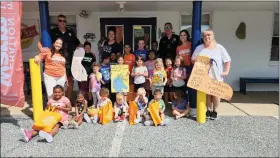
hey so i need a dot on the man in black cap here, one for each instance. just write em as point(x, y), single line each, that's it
point(168, 43)
point(70, 43)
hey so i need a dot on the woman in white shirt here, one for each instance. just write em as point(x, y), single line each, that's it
point(220, 67)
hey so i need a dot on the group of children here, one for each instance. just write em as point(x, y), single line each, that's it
point(151, 80)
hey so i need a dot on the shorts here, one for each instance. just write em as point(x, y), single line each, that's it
point(167, 89)
point(176, 89)
point(107, 85)
point(158, 87)
point(136, 86)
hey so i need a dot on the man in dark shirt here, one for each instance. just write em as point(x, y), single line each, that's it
point(168, 43)
point(70, 43)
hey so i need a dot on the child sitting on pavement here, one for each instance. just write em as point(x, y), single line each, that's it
point(63, 105)
point(141, 100)
point(120, 107)
point(80, 112)
point(157, 98)
point(103, 100)
point(180, 105)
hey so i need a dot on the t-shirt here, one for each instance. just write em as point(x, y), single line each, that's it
point(158, 78)
point(105, 71)
point(167, 47)
point(113, 62)
point(80, 106)
point(168, 71)
point(113, 48)
point(54, 65)
point(219, 56)
point(129, 60)
point(161, 104)
point(102, 102)
point(123, 105)
point(150, 64)
point(62, 102)
point(185, 53)
point(87, 62)
point(182, 105)
point(141, 104)
point(178, 72)
point(95, 85)
point(143, 53)
point(139, 79)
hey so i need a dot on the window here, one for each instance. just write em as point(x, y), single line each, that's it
point(274, 56)
point(187, 22)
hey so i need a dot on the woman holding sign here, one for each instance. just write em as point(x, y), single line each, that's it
point(219, 67)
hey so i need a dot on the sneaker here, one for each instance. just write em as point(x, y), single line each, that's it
point(65, 125)
point(46, 136)
point(27, 135)
point(140, 119)
point(214, 115)
point(208, 114)
point(95, 119)
point(148, 123)
point(74, 124)
point(116, 119)
point(86, 117)
point(165, 122)
point(122, 118)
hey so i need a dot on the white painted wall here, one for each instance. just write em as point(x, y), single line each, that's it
point(250, 57)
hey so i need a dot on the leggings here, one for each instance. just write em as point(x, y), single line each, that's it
point(51, 82)
point(95, 97)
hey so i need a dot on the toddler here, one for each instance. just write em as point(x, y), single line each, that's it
point(141, 100)
point(180, 105)
point(95, 83)
point(139, 72)
point(159, 77)
point(120, 107)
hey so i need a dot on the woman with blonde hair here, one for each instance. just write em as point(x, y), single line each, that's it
point(219, 67)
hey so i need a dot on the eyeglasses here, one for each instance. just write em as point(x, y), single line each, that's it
point(167, 27)
point(64, 21)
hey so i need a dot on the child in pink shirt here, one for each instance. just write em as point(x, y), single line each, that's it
point(150, 64)
point(63, 106)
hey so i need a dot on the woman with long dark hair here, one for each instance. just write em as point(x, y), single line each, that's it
point(55, 65)
point(184, 48)
point(111, 45)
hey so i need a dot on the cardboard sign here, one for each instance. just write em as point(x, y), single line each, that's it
point(77, 69)
point(119, 78)
point(201, 81)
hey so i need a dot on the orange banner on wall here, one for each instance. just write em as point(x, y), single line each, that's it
point(12, 77)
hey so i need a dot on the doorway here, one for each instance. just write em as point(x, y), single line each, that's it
point(130, 30)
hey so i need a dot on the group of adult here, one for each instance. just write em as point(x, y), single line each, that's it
point(58, 59)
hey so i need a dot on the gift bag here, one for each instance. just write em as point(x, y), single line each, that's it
point(132, 111)
point(92, 112)
point(106, 114)
point(154, 112)
point(48, 119)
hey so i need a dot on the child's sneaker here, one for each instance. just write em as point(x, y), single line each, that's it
point(95, 119)
point(86, 117)
point(74, 124)
point(140, 119)
point(46, 136)
point(122, 117)
point(148, 123)
point(165, 122)
point(116, 119)
point(65, 125)
point(27, 135)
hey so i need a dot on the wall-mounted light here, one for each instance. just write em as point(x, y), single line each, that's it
point(84, 14)
point(89, 36)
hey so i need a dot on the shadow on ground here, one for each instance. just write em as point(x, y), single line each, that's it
point(256, 97)
point(5, 113)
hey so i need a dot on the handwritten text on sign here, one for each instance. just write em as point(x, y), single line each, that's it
point(201, 81)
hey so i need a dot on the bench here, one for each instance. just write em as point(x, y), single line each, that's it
point(243, 81)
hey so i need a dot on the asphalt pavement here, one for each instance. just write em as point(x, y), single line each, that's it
point(238, 136)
